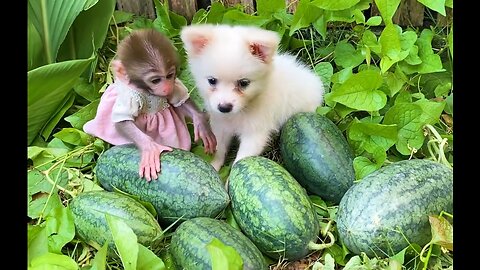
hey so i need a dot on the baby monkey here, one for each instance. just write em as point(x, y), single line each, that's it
point(147, 104)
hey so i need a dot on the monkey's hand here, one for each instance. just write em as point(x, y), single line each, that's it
point(201, 129)
point(150, 160)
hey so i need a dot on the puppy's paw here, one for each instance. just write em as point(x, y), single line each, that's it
point(217, 164)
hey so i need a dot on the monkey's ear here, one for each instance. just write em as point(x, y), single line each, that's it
point(119, 70)
point(196, 37)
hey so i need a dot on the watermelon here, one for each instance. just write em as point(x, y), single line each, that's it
point(393, 203)
point(187, 186)
point(317, 155)
point(189, 241)
point(89, 211)
point(272, 208)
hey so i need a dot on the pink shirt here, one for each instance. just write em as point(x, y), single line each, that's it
point(155, 116)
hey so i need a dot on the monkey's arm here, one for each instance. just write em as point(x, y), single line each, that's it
point(201, 126)
point(149, 149)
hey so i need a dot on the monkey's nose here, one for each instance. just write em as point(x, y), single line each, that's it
point(225, 108)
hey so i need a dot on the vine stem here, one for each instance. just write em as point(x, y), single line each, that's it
point(442, 143)
point(427, 258)
point(60, 161)
point(315, 246)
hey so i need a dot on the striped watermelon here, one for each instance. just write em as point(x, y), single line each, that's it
point(187, 187)
point(89, 209)
point(189, 241)
point(272, 209)
point(317, 155)
point(392, 203)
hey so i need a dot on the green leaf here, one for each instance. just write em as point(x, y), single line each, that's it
point(374, 21)
point(325, 71)
point(162, 21)
point(342, 76)
point(239, 17)
point(391, 47)
point(408, 118)
point(334, 4)
point(57, 116)
point(177, 20)
point(85, 114)
point(347, 56)
point(224, 257)
point(360, 92)
point(354, 263)
point(47, 88)
point(73, 136)
point(346, 15)
point(431, 110)
point(437, 5)
point(125, 241)
point(413, 58)
point(305, 14)
point(450, 41)
point(37, 243)
point(269, 7)
point(100, 260)
point(329, 263)
point(120, 16)
point(369, 39)
point(387, 9)
point(230, 219)
point(373, 135)
point(337, 253)
point(60, 228)
point(88, 31)
point(363, 166)
point(42, 205)
point(53, 19)
point(320, 25)
point(52, 261)
point(431, 62)
point(442, 232)
point(358, 16)
point(400, 256)
point(216, 12)
point(449, 104)
point(395, 81)
point(147, 260)
point(36, 57)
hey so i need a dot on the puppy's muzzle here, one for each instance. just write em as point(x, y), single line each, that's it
point(225, 108)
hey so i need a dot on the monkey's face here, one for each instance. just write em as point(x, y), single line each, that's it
point(159, 84)
point(156, 82)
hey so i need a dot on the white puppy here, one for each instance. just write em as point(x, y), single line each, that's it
point(248, 88)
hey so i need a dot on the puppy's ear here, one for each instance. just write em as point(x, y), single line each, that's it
point(196, 37)
point(264, 44)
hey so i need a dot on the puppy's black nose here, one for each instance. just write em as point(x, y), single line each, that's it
point(225, 108)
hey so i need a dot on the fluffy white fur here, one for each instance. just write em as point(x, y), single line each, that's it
point(279, 86)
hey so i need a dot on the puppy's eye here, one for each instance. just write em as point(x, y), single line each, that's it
point(243, 83)
point(212, 81)
point(156, 81)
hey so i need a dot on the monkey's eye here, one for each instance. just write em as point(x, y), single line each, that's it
point(212, 81)
point(156, 81)
point(243, 83)
point(170, 75)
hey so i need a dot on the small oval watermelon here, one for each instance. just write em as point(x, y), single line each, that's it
point(393, 203)
point(187, 186)
point(317, 155)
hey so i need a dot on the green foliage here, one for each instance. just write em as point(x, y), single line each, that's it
point(389, 88)
point(224, 257)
